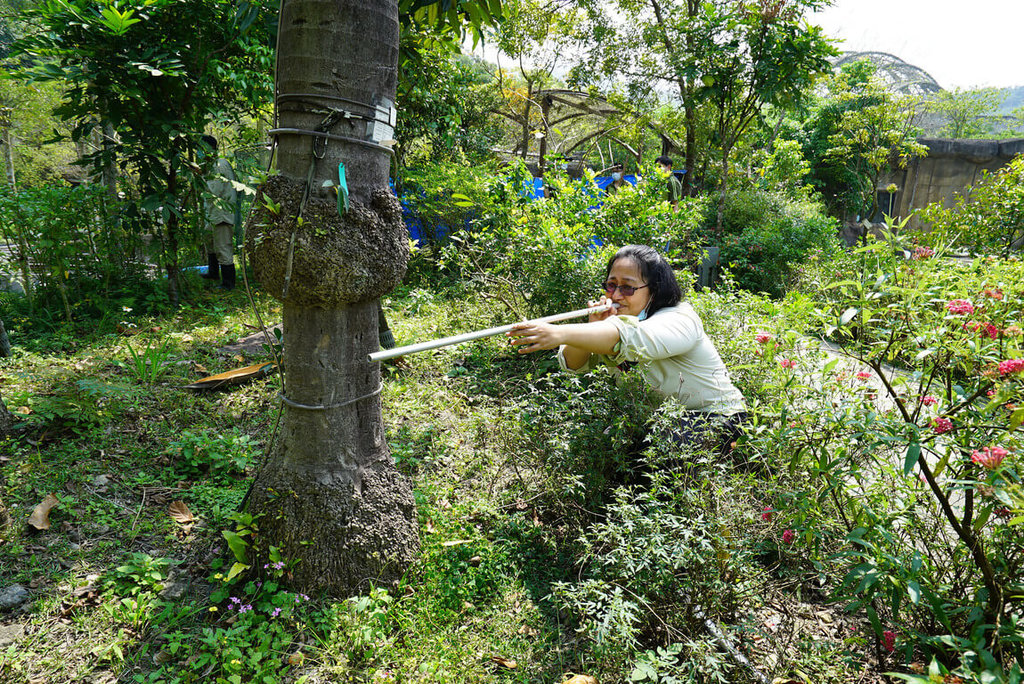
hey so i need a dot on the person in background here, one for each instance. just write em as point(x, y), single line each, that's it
point(219, 209)
point(674, 188)
point(655, 333)
point(618, 180)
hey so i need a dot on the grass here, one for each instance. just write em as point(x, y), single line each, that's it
point(121, 591)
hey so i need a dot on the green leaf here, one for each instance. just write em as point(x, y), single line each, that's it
point(914, 592)
point(236, 570)
point(117, 22)
point(237, 545)
point(913, 452)
point(848, 315)
point(1016, 418)
point(983, 516)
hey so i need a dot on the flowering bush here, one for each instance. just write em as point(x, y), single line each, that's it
point(924, 478)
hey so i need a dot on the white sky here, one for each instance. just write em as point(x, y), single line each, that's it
point(970, 44)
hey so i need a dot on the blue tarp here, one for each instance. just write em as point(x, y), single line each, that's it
point(532, 188)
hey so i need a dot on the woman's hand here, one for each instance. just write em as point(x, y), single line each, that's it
point(601, 315)
point(530, 336)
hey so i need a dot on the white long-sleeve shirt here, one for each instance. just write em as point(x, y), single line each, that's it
point(676, 357)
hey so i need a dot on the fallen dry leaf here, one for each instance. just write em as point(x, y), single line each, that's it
point(180, 512)
point(40, 518)
point(457, 542)
point(504, 662)
point(580, 679)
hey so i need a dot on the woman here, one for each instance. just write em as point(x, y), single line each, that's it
point(663, 336)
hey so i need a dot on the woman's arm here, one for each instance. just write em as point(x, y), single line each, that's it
point(579, 339)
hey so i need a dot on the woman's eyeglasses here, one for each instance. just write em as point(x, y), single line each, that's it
point(626, 290)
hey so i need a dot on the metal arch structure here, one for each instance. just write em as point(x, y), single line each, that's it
point(898, 76)
point(559, 105)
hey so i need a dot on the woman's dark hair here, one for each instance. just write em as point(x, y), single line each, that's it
point(664, 161)
point(655, 271)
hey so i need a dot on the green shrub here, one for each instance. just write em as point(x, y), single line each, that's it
point(76, 257)
point(918, 495)
point(665, 558)
point(767, 236)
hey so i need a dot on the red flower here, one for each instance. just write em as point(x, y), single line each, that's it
point(788, 536)
point(763, 337)
point(767, 514)
point(889, 640)
point(1011, 366)
point(960, 307)
point(942, 425)
point(989, 457)
point(929, 400)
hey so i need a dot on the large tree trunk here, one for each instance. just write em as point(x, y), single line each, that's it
point(330, 495)
point(6, 420)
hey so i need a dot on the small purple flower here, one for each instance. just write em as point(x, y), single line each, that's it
point(234, 599)
point(304, 597)
point(245, 608)
point(274, 613)
point(279, 565)
point(266, 565)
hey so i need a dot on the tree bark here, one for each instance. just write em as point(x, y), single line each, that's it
point(330, 495)
point(6, 419)
point(5, 342)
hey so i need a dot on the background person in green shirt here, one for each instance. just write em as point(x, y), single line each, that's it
point(674, 189)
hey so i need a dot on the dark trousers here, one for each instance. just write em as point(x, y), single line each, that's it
point(711, 432)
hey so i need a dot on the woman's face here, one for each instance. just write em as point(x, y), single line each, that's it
point(626, 271)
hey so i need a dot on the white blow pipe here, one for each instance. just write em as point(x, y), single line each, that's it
point(385, 354)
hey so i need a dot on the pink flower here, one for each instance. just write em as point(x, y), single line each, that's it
point(989, 457)
point(991, 330)
point(922, 253)
point(763, 337)
point(787, 363)
point(960, 307)
point(788, 536)
point(941, 425)
point(1011, 366)
point(889, 640)
point(863, 375)
point(929, 400)
point(767, 514)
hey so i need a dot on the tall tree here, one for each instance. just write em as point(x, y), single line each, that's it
point(965, 111)
point(869, 132)
point(330, 495)
point(727, 59)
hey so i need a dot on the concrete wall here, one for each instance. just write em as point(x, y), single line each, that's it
point(951, 167)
